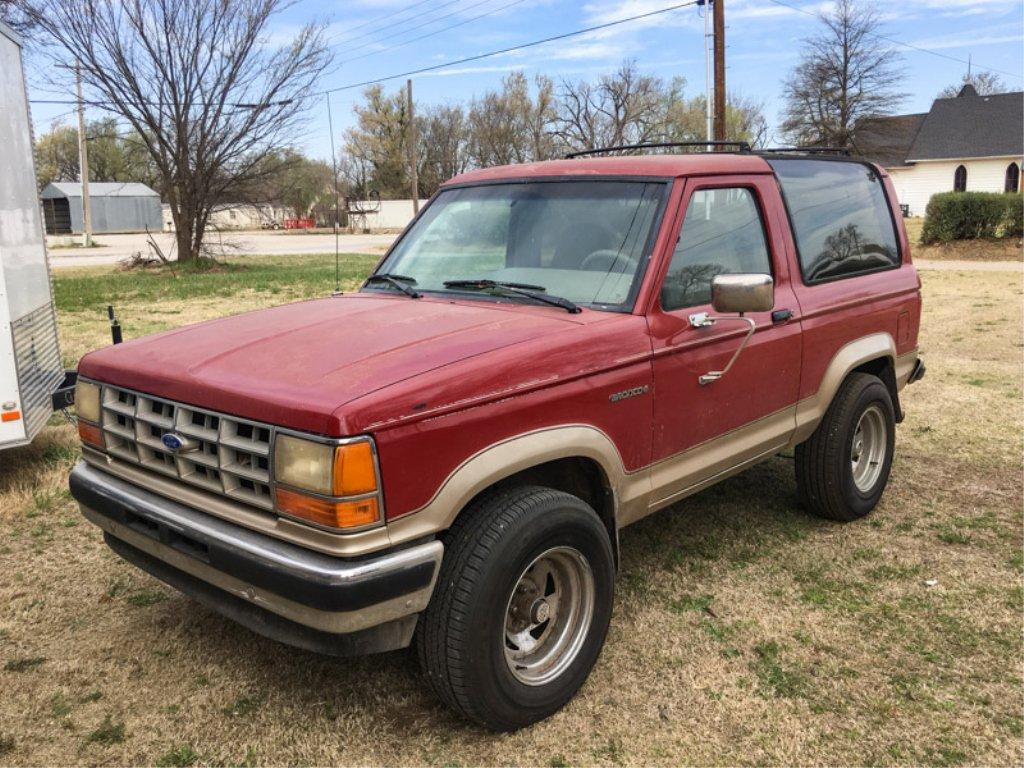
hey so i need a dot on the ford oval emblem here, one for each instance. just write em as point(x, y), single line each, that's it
point(176, 443)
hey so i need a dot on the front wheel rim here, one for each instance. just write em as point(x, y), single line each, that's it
point(548, 615)
point(868, 448)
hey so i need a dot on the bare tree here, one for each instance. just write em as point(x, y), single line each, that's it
point(846, 73)
point(13, 13)
point(984, 83)
point(444, 146)
point(626, 107)
point(196, 82)
point(686, 120)
point(512, 125)
point(377, 144)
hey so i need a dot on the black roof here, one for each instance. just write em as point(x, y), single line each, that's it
point(966, 125)
point(886, 140)
point(969, 125)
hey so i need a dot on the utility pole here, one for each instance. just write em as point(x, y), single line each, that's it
point(83, 162)
point(413, 160)
point(708, 132)
point(719, 6)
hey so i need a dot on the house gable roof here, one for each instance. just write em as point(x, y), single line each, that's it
point(969, 125)
point(886, 140)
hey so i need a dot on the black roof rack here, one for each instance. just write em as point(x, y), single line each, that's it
point(805, 151)
point(740, 146)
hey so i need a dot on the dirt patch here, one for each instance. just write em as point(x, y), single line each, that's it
point(971, 250)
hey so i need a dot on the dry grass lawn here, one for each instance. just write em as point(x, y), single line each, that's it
point(745, 632)
point(1004, 249)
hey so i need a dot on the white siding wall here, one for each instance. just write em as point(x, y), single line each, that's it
point(393, 214)
point(238, 216)
point(916, 184)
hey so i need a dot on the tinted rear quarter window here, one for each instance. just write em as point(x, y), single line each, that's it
point(840, 216)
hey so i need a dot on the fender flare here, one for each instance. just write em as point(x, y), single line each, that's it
point(811, 410)
point(509, 457)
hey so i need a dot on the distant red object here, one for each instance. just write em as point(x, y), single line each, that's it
point(299, 223)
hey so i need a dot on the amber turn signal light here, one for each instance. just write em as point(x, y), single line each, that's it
point(10, 415)
point(332, 514)
point(90, 433)
point(354, 472)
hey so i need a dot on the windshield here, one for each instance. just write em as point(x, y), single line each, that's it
point(585, 241)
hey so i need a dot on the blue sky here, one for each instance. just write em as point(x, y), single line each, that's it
point(376, 38)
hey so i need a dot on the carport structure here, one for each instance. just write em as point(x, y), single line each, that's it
point(116, 207)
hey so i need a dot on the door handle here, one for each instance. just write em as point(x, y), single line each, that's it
point(781, 315)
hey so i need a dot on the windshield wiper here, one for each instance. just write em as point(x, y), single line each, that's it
point(396, 281)
point(519, 289)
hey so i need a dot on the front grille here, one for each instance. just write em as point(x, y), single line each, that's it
point(231, 456)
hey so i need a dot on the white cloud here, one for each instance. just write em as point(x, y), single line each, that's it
point(965, 40)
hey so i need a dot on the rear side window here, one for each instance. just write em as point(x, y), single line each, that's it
point(840, 216)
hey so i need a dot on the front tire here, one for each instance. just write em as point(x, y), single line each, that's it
point(521, 608)
point(842, 469)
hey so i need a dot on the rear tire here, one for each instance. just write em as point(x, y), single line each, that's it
point(521, 608)
point(842, 469)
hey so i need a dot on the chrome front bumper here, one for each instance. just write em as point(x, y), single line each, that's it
point(292, 594)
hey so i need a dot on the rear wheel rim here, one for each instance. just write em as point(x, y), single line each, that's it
point(548, 615)
point(868, 448)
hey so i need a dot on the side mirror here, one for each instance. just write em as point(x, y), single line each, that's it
point(743, 293)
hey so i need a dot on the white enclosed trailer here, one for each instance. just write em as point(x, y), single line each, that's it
point(30, 364)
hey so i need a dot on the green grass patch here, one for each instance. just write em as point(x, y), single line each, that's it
point(291, 277)
point(24, 665)
point(107, 733)
point(179, 757)
point(687, 603)
point(146, 597)
point(59, 705)
point(244, 705)
point(774, 679)
point(952, 536)
point(822, 589)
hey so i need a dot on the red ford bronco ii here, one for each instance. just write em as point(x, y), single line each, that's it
point(548, 353)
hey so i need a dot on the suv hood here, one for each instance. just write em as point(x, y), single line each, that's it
point(296, 364)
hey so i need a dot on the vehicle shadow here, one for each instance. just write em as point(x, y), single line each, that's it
point(739, 520)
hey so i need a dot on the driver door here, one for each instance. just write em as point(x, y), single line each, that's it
point(703, 431)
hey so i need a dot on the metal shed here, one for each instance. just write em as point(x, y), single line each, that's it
point(116, 207)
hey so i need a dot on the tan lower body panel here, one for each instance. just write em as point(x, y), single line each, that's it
point(703, 465)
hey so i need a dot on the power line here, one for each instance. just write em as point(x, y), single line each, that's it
point(395, 33)
point(521, 46)
point(388, 16)
point(904, 44)
point(435, 32)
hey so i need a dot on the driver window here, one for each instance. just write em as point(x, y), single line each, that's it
point(722, 234)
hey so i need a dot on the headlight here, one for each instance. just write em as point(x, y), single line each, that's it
point(87, 405)
point(339, 472)
point(87, 401)
point(304, 464)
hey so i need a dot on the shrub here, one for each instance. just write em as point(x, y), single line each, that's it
point(971, 215)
